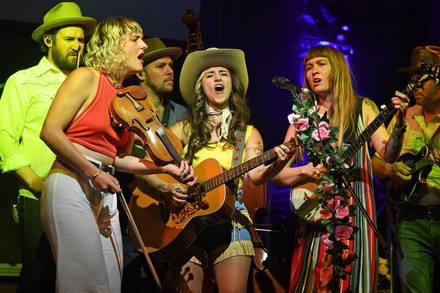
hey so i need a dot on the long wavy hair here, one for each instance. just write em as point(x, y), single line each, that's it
point(343, 110)
point(198, 116)
point(105, 50)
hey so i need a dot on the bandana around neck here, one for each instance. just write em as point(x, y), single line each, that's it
point(226, 116)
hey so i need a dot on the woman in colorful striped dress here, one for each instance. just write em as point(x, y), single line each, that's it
point(328, 76)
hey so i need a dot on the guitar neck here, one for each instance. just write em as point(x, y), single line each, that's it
point(419, 165)
point(241, 169)
point(384, 115)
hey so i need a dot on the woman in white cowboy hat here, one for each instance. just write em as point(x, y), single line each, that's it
point(214, 83)
point(78, 205)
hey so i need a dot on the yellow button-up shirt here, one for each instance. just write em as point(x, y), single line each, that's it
point(24, 104)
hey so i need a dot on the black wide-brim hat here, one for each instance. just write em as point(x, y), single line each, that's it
point(426, 53)
point(156, 49)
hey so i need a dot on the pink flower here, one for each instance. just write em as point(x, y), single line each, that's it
point(326, 241)
point(326, 275)
point(324, 132)
point(302, 124)
point(335, 202)
point(342, 212)
point(343, 232)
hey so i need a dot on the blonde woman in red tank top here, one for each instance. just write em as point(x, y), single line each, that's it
point(79, 210)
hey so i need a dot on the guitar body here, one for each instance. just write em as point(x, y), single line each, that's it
point(161, 230)
point(304, 201)
point(421, 166)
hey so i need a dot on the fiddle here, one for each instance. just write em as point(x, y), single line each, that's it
point(131, 110)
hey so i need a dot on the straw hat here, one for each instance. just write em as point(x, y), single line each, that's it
point(157, 49)
point(427, 53)
point(64, 14)
point(198, 61)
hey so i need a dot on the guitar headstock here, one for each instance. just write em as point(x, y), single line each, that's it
point(194, 39)
point(430, 72)
point(190, 19)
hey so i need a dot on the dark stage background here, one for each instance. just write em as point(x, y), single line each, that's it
point(377, 37)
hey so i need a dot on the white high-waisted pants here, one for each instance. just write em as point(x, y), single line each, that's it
point(86, 260)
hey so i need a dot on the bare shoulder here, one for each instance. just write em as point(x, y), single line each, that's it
point(87, 76)
point(255, 139)
point(370, 105)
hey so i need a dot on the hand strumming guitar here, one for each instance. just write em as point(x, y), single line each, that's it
point(399, 173)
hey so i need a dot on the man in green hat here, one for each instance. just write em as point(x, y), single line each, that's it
point(25, 101)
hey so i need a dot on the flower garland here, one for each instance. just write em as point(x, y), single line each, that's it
point(319, 140)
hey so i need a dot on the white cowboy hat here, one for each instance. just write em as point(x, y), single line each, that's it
point(198, 61)
point(64, 14)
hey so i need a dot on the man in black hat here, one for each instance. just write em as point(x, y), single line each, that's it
point(415, 191)
point(25, 101)
point(158, 78)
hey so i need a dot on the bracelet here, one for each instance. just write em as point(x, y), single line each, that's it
point(400, 130)
point(96, 175)
point(274, 169)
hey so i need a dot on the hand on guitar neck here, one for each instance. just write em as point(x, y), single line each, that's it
point(409, 174)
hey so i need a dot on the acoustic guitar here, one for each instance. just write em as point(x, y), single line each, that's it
point(166, 234)
point(303, 200)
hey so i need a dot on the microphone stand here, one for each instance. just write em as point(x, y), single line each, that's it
point(139, 239)
point(377, 233)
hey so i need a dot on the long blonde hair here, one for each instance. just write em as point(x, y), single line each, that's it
point(343, 112)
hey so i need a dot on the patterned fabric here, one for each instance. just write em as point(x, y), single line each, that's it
point(309, 251)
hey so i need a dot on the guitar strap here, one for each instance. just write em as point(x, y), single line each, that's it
point(237, 156)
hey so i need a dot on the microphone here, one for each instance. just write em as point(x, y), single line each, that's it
point(284, 83)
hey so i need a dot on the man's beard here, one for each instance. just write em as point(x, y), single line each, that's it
point(160, 90)
point(63, 62)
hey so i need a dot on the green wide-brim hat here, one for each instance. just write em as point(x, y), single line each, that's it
point(156, 49)
point(198, 61)
point(64, 14)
